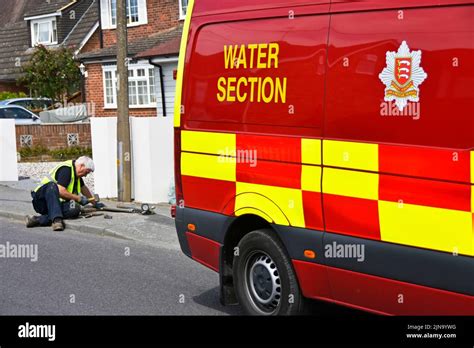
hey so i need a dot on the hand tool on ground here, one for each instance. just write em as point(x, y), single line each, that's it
point(116, 210)
point(89, 215)
point(95, 198)
point(145, 209)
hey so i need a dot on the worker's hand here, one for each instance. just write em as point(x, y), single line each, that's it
point(99, 205)
point(83, 200)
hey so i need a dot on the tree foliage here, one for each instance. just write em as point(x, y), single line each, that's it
point(52, 73)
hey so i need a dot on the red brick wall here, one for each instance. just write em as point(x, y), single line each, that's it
point(161, 14)
point(12, 87)
point(54, 136)
point(95, 95)
point(93, 43)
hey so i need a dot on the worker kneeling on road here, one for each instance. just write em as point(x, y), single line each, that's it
point(58, 195)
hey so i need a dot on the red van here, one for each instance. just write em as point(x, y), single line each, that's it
point(325, 150)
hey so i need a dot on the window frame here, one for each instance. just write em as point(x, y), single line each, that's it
point(52, 29)
point(141, 14)
point(182, 13)
point(134, 82)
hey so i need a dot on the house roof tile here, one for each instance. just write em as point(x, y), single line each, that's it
point(44, 7)
point(138, 47)
point(162, 49)
point(84, 26)
point(14, 50)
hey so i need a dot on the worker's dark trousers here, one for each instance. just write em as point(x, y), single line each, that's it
point(46, 202)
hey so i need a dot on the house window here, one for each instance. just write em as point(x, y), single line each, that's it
point(136, 13)
point(110, 89)
point(183, 6)
point(113, 12)
point(44, 32)
point(141, 86)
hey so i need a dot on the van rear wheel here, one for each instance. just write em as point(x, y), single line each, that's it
point(264, 280)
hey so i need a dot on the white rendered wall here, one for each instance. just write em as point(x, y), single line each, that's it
point(104, 152)
point(152, 157)
point(169, 86)
point(8, 155)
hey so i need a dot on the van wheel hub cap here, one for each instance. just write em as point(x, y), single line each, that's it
point(263, 282)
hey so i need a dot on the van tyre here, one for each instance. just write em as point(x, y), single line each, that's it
point(264, 280)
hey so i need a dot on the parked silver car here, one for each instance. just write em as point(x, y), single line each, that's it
point(32, 104)
point(20, 114)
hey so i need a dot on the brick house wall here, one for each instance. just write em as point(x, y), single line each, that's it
point(95, 95)
point(12, 87)
point(93, 43)
point(161, 15)
point(54, 136)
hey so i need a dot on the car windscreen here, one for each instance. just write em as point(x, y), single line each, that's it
point(16, 113)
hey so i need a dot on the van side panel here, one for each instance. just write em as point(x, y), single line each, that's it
point(359, 42)
point(239, 82)
point(249, 148)
point(400, 179)
point(249, 101)
point(259, 138)
point(212, 7)
point(370, 293)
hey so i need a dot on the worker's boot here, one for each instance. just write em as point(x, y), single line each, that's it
point(32, 221)
point(58, 225)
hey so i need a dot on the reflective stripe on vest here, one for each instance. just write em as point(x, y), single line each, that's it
point(52, 175)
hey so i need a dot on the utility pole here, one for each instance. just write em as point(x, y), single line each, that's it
point(124, 170)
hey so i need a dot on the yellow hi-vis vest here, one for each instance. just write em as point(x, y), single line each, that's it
point(52, 178)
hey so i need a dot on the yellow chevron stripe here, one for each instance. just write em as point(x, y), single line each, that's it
point(426, 227)
point(311, 151)
point(207, 166)
point(352, 155)
point(472, 167)
point(472, 199)
point(311, 178)
point(182, 55)
point(351, 183)
point(254, 211)
point(281, 204)
point(208, 142)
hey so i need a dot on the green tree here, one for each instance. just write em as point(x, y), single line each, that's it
point(52, 73)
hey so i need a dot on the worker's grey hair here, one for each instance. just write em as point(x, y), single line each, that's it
point(87, 162)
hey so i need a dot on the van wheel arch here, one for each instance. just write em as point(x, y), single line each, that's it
point(265, 281)
point(239, 228)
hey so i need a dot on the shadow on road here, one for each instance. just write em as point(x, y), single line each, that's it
point(160, 219)
point(210, 299)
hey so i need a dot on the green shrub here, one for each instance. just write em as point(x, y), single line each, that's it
point(52, 73)
point(11, 95)
point(34, 151)
point(63, 154)
point(70, 153)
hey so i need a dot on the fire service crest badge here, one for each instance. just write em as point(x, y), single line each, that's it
point(402, 76)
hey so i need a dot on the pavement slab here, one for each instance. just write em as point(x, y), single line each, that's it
point(156, 230)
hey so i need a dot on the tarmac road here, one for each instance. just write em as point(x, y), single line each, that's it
point(82, 274)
